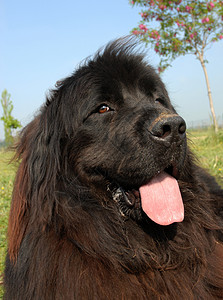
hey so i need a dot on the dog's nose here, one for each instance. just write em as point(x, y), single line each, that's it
point(169, 129)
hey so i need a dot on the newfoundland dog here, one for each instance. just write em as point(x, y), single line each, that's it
point(108, 200)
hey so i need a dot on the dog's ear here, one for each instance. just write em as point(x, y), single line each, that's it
point(34, 194)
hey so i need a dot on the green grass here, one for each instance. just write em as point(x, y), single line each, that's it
point(207, 146)
point(7, 173)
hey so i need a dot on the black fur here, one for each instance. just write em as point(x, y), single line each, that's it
point(76, 228)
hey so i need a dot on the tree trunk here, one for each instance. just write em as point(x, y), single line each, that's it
point(209, 94)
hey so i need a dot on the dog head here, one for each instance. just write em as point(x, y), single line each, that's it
point(119, 127)
point(110, 127)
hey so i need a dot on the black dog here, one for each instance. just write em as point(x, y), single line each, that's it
point(108, 202)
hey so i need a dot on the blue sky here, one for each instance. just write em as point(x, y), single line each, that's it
point(43, 41)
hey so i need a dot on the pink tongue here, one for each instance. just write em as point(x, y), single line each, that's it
point(161, 200)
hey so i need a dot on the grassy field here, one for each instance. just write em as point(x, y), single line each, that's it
point(7, 173)
point(207, 147)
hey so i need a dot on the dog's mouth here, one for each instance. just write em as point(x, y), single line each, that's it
point(159, 199)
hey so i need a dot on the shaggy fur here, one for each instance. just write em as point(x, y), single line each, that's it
point(110, 127)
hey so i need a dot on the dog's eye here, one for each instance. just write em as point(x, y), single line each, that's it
point(103, 109)
point(160, 100)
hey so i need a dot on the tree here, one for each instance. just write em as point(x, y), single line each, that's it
point(181, 27)
point(9, 122)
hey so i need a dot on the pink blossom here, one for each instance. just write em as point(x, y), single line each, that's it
point(162, 7)
point(143, 27)
point(191, 35)
point(180, 24)
point(155, 35)
point(188, 8)
point(144, 15)
point(205, 20)
point(178, 8)
point(221, 37)
point(189, 28)
point(136, 32)
point(210, 6)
